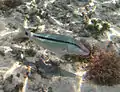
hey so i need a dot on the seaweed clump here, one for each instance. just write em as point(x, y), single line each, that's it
point(103, 68)
point(97, 27)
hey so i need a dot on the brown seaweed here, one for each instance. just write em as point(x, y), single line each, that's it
point(103, 68)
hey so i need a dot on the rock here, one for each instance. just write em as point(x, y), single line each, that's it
point(14, 77)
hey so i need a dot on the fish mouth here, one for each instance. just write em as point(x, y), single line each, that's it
point(86, 53)
point(84, 50)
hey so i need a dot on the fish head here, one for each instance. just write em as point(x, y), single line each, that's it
point(80, 48)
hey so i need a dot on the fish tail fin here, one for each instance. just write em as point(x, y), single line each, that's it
point(27, 33)
point(26, 28)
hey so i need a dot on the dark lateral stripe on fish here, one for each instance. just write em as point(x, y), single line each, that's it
point(56, 40)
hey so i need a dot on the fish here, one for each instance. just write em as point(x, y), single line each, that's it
point(59, 44)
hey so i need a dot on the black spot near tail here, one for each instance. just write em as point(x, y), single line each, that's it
point(26, 33)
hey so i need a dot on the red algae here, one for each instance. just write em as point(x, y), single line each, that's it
point(103, 68)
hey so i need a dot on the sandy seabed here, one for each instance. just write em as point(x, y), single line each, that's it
point(54, 16)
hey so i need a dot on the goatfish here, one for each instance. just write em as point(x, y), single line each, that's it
point(59, 44)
